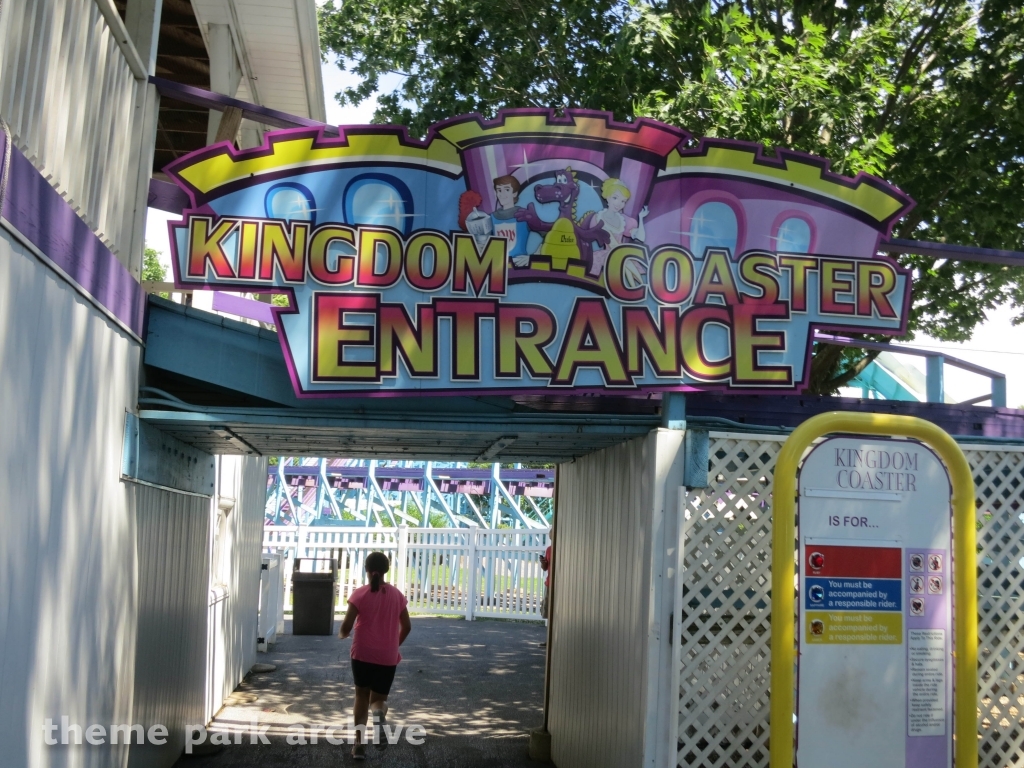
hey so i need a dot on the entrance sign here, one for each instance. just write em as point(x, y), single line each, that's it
point(537, 252)
point(875, 679)
point(886, 668)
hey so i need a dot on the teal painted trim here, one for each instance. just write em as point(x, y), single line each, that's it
point(934, 377)
point(673, 410)
point(151, 457)
point(246, 359)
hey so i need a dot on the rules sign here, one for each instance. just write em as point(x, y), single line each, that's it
point(875, 670)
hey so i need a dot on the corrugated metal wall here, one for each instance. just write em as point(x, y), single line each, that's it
point(173, 578)
point(67, 536)
point(247, 560)
point(234, 613)
point(599, 627)
point(68, 94)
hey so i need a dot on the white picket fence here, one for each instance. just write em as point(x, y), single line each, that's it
point(471, 572)
point(271, 615)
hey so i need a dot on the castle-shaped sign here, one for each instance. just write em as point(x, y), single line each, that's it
point(539, 253)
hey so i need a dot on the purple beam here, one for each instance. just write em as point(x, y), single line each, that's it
point(438, 473)
point(165, 196)
point(239, 305)
point(37, 211)
point(5, 162)
point(792, 410)
point(218, 101)
point(955, 252)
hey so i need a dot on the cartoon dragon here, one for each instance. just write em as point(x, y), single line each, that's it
point(566, 240)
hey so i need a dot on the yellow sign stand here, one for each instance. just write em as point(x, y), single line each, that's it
point(964, 584)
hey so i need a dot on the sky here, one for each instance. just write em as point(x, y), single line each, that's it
point(996, 344)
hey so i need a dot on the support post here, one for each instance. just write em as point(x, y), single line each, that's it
point(142, 22)
point(476, 510)
point(696, 445)
point(374, 488)
point(471, 577)
point(431, 488)
point(998, 391)
point(328, 490)
point(403, 545)
point(934, 385)
point(500, 486)
point(287, 493)
point(673, 410)
point(225, 75)
point(495, 499)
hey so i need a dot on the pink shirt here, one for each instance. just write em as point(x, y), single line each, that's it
point(375, 638)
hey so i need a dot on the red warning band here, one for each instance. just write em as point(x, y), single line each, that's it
point(856, 562)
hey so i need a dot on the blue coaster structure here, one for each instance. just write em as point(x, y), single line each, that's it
point(367, 492)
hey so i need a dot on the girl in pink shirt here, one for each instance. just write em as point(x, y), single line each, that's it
point(381, 620)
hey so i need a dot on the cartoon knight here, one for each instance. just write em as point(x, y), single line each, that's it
point(501, 223)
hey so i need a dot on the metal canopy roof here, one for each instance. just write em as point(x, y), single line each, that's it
point(222, 386)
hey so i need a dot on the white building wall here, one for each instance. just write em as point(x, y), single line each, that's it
point(173, 568)
point(67, 547)
point(234, 595)
point(613, 685)
point(104, 584)
point(68, 92)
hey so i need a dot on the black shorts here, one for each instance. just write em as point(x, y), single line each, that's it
point(377, 677)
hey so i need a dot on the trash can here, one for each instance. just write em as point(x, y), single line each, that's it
point(313, 597)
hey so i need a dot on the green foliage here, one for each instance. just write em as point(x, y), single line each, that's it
point(438, 520)
point(152, 269)
point(928, 94)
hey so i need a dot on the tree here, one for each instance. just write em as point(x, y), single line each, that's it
point(152, 269)
point(928, 94)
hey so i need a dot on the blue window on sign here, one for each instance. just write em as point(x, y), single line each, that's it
point(794, 236)
point(379, 200)
point(291, 202)
point(713, 225)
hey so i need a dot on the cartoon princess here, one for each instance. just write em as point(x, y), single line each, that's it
point(615, 222)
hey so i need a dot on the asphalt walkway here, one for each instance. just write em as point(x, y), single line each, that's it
point(476, 687)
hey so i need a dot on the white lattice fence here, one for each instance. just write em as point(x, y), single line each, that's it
point(999, 480)
point(723, 704)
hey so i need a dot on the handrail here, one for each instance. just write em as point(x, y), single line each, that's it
point(122, 38)
point(936, 360)
point(843, 341)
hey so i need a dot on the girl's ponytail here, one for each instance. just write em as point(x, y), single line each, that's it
point(377, 564)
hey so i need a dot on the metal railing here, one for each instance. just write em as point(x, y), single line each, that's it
point(935, 363)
